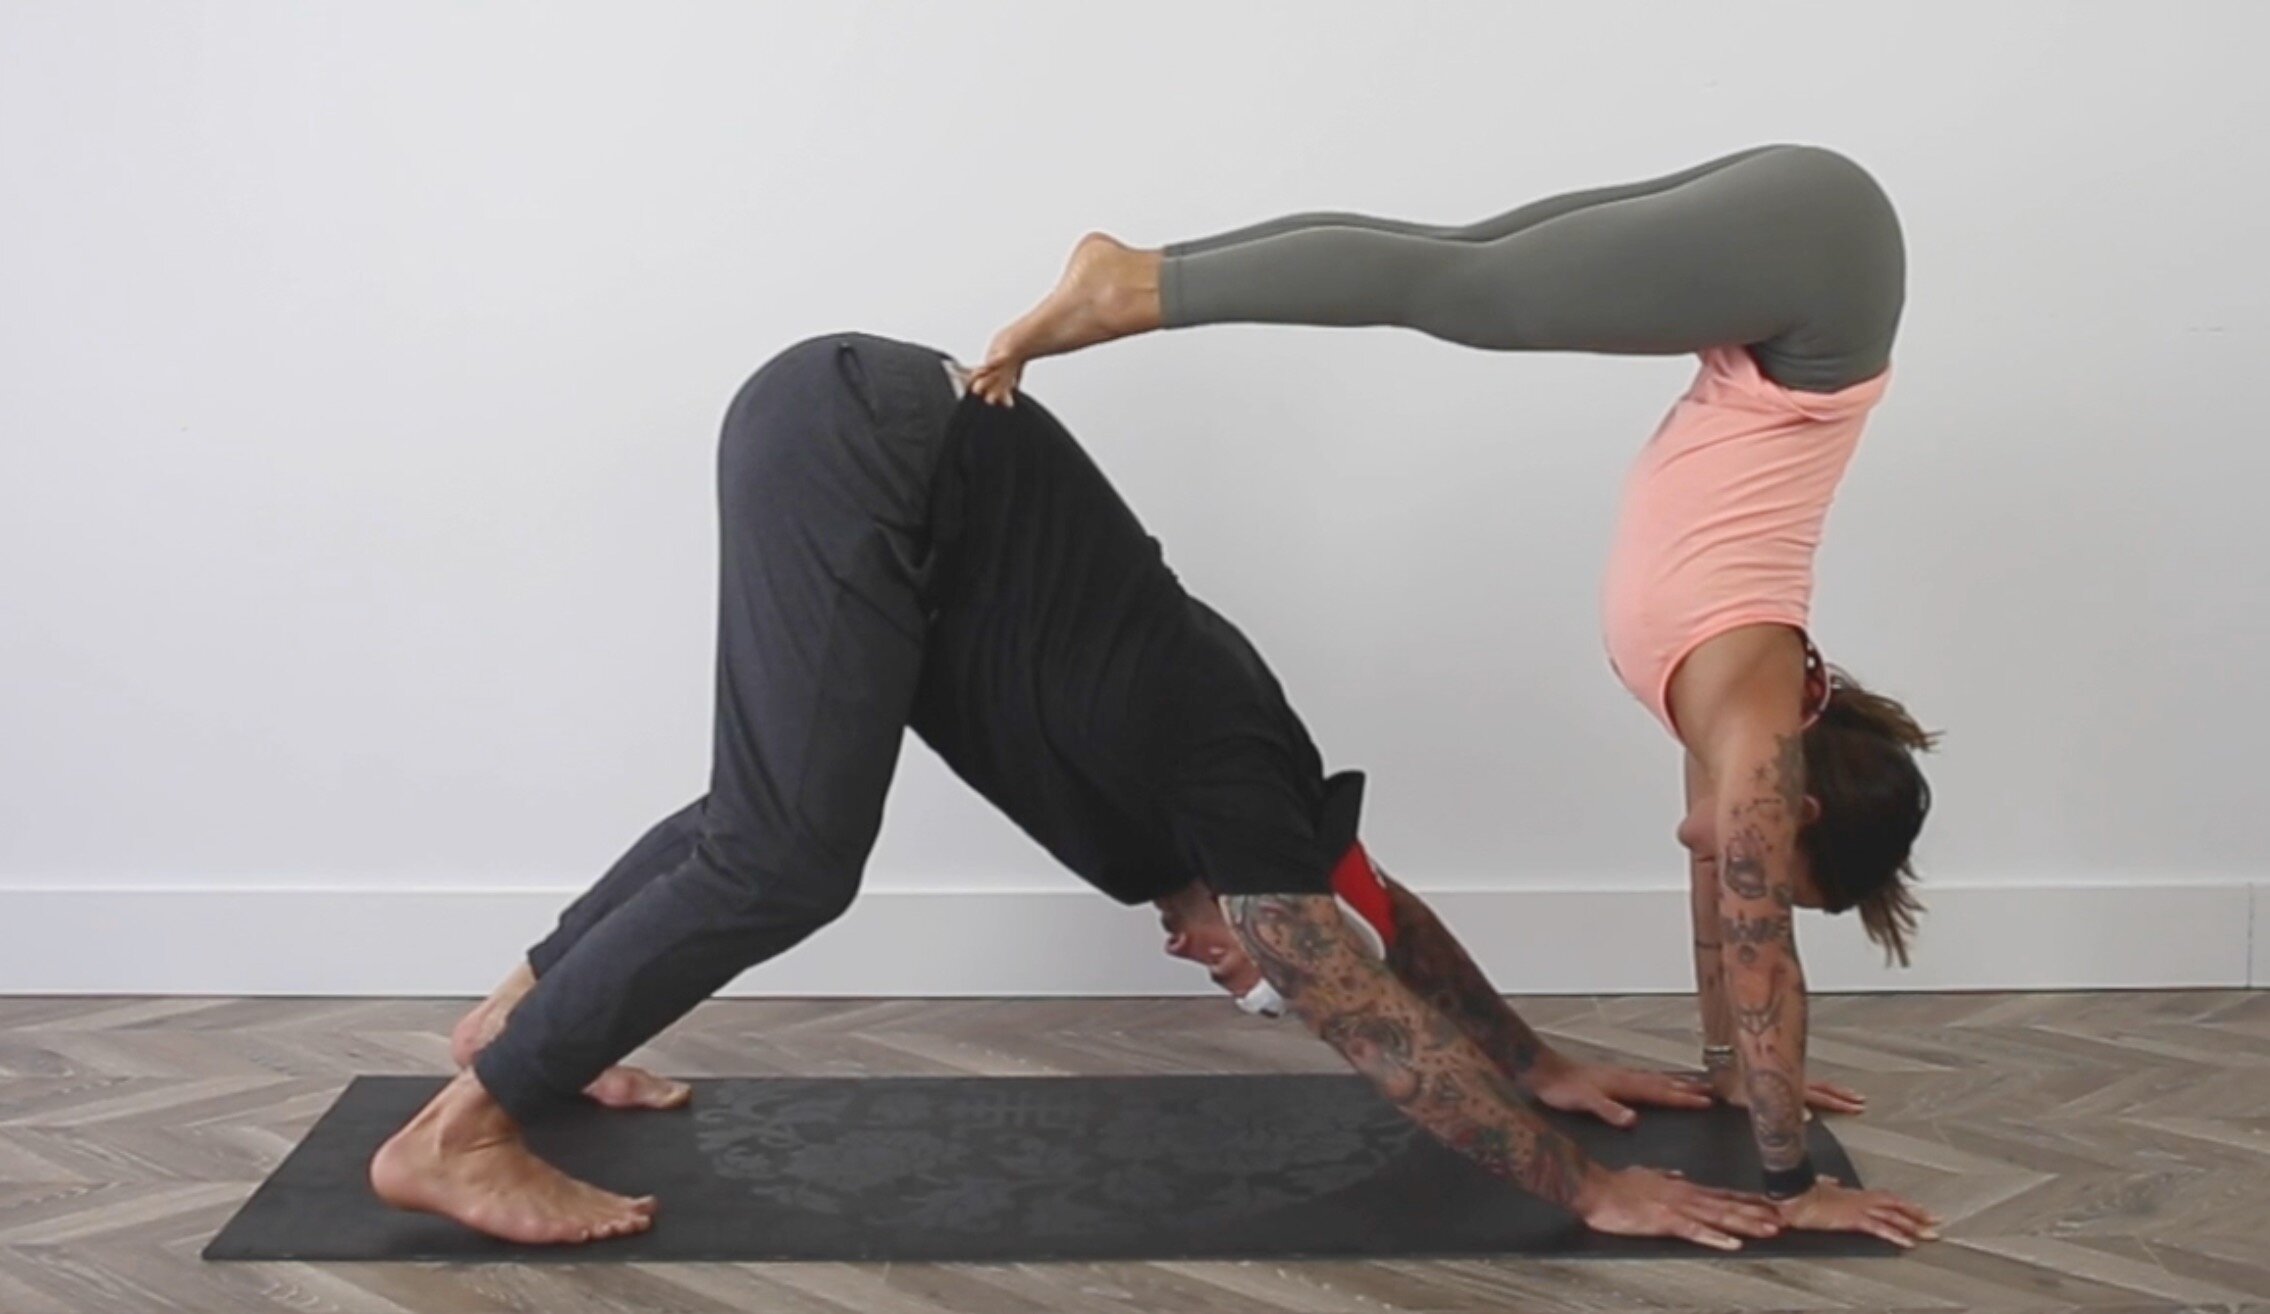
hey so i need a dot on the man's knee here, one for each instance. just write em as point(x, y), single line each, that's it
point(774, 895)
point(827, 896)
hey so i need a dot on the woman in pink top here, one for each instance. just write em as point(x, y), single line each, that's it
point(1782, 268)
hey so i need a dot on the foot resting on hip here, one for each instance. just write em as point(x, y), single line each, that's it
point(1109, 290)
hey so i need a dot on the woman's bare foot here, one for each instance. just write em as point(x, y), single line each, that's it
point(1109, 290)
point(463, 1158)
point(616, 1088)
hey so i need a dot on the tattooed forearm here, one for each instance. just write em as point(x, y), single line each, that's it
point(1745, 861)
point(1378, 1048)
point(1765, 986)
point(1761, 1019)
point(1779, 1119)
point(1418, 1058)
point(1427, 958)
point(1264, 927)
point(1747, 933)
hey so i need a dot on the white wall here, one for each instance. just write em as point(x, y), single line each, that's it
point(360, 369)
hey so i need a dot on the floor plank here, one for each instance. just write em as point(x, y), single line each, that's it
point(2099, 1152)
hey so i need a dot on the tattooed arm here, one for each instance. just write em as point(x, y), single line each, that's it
point(1438, 969)
point(1426, 957)
point(1738, 711)
point(1759, 800)
point(1417, 1057)
point(1738, 703)
point(1431, 1070)
point(1710, 978)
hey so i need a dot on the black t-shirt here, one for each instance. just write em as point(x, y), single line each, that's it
point(1127, 727)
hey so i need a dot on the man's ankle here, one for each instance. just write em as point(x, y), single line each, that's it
point(465, 1115)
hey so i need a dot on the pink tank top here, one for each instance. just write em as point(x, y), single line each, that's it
point(1721, 515)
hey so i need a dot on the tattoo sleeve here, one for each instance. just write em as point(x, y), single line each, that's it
point(1428, 959)
point(1417, 1057)
point(1759, 805)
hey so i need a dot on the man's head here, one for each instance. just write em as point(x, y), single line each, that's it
point(1197, 930)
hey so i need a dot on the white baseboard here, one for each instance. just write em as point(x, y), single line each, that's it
point(266, 941)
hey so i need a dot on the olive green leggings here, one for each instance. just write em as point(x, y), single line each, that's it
point(1791, 251)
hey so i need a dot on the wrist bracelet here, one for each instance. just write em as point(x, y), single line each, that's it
point(1789, 1183)
point(1718, 1058)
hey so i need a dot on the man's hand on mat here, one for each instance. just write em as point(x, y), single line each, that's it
point(1827, 1096)
point(1645, 1202)
point(1831, 1207)
point(1607, 1092)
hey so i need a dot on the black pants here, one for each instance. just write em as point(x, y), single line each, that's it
point(823, 479)
point(895, 559)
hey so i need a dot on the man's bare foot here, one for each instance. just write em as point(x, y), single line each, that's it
point(463, 1158)
point(1109, 290)
point(636, 1088)
point(616, 1088)
point(476, 1029)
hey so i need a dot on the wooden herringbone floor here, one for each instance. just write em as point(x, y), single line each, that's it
point(2101, 1152)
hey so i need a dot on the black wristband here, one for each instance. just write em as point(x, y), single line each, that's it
point(1789, 1183)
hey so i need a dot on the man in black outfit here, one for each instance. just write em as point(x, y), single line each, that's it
point(897, 556)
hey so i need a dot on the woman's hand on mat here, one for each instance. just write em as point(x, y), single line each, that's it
point(1827, 1096)
point(1646, 1202)
point(1607, 1092)
point(1832, 1207)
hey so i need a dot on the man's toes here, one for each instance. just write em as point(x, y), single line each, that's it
point(626, 1222)
point(634, 1088)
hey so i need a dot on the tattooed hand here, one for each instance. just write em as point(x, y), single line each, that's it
point(1426, 957)
point(1440, 1078)
point(1602, 1091)
point(1644, 1202)
point(1832, 1207)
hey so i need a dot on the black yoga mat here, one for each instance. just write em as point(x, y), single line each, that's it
point(1007, 1169)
